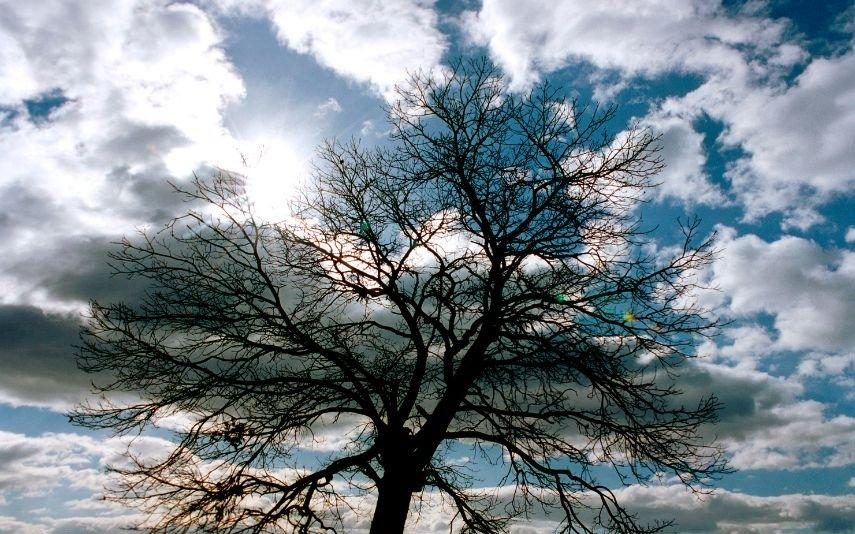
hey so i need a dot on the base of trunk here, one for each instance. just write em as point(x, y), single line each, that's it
point(393, 505)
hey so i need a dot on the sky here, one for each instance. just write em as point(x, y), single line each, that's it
point(102, 102)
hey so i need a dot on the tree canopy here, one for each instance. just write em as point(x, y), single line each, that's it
point(480, 283)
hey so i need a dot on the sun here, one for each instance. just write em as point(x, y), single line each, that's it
point(274, 170)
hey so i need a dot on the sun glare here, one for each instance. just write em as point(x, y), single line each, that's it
point(274, 170)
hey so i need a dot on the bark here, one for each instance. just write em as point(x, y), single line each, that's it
point(393, 503)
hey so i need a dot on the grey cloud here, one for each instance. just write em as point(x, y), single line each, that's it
point(72, 270)
point(142, 143)
point(765, 424)
point(24, 208)
point(738, 513)
point(746, 397)
point(11, 453)
point(809, 290)
point(148, 196)
point(37, 365)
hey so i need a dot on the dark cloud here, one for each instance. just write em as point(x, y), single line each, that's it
point(738, 513)
point(150, 196)
point(24, 207)
point(143, 143)
point(37, 364)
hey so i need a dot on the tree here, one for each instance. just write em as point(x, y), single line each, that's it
point(482, 283)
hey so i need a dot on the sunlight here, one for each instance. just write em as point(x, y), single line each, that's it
point(274, 169)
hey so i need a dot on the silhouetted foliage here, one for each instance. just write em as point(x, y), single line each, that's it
point(482, 285)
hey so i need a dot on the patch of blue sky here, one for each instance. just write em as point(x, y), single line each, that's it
point(840, 216)
point(642, 92)
point(40, 108)
point(283, 83)
point(8, 116)
point(835, 395)
point(821, 25)
point(33, 421)
point(772, 482)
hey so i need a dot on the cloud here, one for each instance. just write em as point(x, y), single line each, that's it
point(796, 138)
point(765, 422)
point(137, 91)
point(37, 365)
point(739, 513)
point(808, 289)
point(370, 42)
point(750, 343)
point(724, 512)
point(634, 38)
point(50, 465)
point(140, 78)
point(331, 105)
point(684, 177)
point(836, 366)
point(10, 525)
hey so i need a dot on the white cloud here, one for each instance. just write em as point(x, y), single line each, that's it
point(331, 105)
point(827, 365)
point(142, 78)
point(797, 440)
point(684, 177)
point(738, 513)
point(365, 40)
point(850, 235)
point(36, 465)
point(797, 139)
point(748, 345)
point(10, 525)
point(49, 464)
point(146, 84)
point(637, 38)
point(765, 423)
point(809, 290)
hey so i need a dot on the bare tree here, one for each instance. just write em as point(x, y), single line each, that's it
point(482, 283)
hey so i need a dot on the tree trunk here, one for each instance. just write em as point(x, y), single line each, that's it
point(393, 503)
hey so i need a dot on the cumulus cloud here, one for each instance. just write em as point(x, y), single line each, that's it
point(102, 101)
point(371, 42)
point(765, 421)
point(50, 464)
point(723, 512)
point(738, 513)
point(795, 136)
point(138, 89)
point(746, 345)
point(808, 289)
point(145, 83)
point(796, 139)
point(684, 177)
point(635, 38)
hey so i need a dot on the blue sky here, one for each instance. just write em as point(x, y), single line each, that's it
point(102, 102)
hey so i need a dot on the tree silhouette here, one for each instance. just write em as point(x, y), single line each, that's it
point(481, 284)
